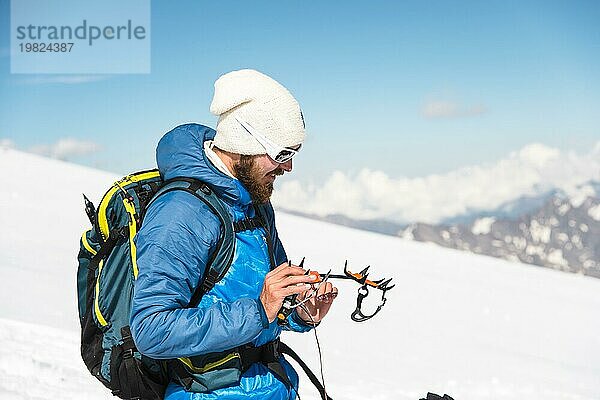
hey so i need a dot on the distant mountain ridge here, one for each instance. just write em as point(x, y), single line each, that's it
point(555, 229)
point(511, 209)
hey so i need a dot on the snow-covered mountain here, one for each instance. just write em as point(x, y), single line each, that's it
point(471, 326)
point(563, 233)
point(512, 209)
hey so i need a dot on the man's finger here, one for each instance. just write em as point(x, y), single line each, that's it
point(325, 288)
point(294, 289)
point(283, 281)
point(295, 279)
point(283, 267)
point(327, 297)
point(285, 270)
point(329, 293)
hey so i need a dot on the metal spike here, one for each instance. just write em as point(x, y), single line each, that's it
point(384, 285)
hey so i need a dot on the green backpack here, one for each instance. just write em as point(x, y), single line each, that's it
point(107, 271)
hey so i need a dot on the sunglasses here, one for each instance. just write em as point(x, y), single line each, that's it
point(278, 153)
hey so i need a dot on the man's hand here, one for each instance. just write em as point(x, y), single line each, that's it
point(283, 281)
point(317, 306)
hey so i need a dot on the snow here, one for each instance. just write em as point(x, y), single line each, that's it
point(535, 250)
point(482, 226)
point(562, 210)
point(555, 256)
point(471, 326)
point(408, 233)
point(39, 362)
point(578, 194)
point(42, 218)
point(540, 233)
point(594, 212)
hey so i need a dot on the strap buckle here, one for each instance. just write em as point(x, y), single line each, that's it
point(127, 354)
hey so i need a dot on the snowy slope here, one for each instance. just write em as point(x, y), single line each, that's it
point(42, 219)
point(39, 362)
point(471, 326)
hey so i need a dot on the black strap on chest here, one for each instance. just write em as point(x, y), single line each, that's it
point(262, 214)
point(248, 224)
point(260, 220)
point(269, 355)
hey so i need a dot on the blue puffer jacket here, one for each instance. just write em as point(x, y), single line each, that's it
point(173, 246)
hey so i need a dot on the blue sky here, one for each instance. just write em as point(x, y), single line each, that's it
point(408, 88)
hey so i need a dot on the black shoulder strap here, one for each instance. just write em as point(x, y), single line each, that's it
point(285, 349)
point(222, 257)
point(262, 213)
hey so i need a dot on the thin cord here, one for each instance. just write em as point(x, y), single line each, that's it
point(297, 393)
point(318, 347)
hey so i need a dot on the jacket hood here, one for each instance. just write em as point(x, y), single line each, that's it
point(180, 153)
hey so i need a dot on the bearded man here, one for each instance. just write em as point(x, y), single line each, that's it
point(260, 129)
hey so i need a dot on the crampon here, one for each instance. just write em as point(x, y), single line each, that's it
point(363, 291)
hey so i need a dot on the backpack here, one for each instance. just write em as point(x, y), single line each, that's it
point(107, 271)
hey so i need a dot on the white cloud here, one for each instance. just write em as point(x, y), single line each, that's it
point(447, 109)
point(66, 148)
point(61, 79)
point(7, 143)
point(374, 195)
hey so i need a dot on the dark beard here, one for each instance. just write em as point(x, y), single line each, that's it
point(247, 173)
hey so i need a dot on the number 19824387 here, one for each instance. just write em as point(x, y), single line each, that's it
point(45, 47)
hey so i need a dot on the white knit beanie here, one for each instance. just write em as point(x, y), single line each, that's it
point(260, 101)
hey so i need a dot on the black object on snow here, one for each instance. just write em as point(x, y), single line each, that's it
point(433, 396)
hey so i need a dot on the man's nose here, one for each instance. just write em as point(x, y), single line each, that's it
point(287, 166)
